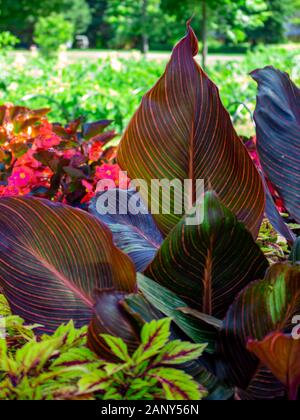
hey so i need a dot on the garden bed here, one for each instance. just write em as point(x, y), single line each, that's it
point(146, 305)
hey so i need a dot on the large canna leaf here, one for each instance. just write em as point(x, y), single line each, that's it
point(134, 233)
point(281, 353)
point(274, 216)
point(277, 118)
point(263, 307)
point(182, 131)
point(52, 257)
point(171, 305)
point(263, 386)
point(111, 318)
point(206, 265)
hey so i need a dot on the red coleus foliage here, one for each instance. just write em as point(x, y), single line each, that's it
point(51, 161)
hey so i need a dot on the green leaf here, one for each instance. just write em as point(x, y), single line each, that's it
point(113, 368)
point(4, 307)
point(207, 264)
point(154, 337)
point(143, 389)
point(156, 333)
point(95, 381)
point(112, 394)
point(3, 355)
point(177, 352)
point(178, 385)
point(263, 307)
point(215, 323)
point(15, 330)
point(117, 346)
point(141, 309)
point(218, 389)
point(33, 356)
point(76, 357)
point(169, 304)
point(70, 334)
point(295, 252)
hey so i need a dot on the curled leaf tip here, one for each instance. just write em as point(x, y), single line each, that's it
point(189, 23)
point(266, 72)
point(193, 38)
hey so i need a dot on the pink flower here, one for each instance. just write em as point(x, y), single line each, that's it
point(44, 176)
point(96, 151)
point(29, 160)
point(252, 150)
point(9, 191)
point(70, 153)
point(46, 138)
point(21, 177)
point(47, 142)
point(107, 172)
point(89, 188)
point(251, 147)
point(110, 177)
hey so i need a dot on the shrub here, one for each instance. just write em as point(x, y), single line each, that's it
point(52, 32)
point(7, 41)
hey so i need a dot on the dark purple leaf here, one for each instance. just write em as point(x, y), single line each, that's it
point(135, 234)
point(277, 118)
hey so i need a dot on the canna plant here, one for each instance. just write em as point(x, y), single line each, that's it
point(277, 118)
point(182, 131)
point(205, 270)
point(59, 263)
point(280, 352)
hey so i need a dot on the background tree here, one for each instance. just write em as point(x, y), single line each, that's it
point(231, 17)
point(75, 11)
point(99, 31)
point(20, 16)
point(51, 32)
point(156, 24)
point(274, 29)
point(139, 23)
point(7, 42)
point(234, 19)
point(295, 20)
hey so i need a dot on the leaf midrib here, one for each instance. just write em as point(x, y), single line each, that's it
point(64, 280)
point(207, 281)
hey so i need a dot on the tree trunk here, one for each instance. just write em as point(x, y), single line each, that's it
point(145, 37)
point(204, 34)
point(145, 41)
